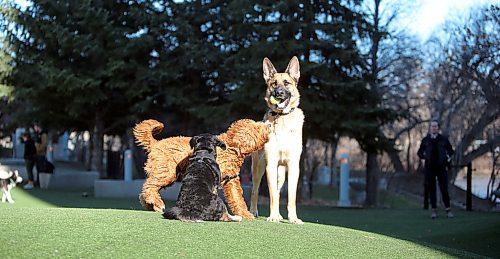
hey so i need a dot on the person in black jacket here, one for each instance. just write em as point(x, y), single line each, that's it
point(437, 151)
point(41, 141)
point(29, 158)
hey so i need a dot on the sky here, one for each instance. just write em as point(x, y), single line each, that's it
point(430, 15)
point(427, 16)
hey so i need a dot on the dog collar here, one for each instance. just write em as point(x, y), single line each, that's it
point(273, 113)
point(228, 178)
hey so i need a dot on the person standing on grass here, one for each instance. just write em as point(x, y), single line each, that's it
point(437, 151)
point(41, 138)
point(29, 158)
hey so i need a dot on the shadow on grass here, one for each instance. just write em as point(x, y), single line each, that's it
point(71, 199)
point(474, 232)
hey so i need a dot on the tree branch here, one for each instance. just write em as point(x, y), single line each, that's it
point(488, 116)
point(481, 150)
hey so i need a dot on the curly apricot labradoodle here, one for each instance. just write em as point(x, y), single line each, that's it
point(169, 156)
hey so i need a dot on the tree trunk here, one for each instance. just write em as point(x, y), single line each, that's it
point(372, 174)
point(333, 160)
point(408, 154)
point(462, 157)
point(87, 152)
point(396, 160)
point(302, 170)
point(97, 146)
point(494, 171)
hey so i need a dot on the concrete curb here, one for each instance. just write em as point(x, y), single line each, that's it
point(126, 189)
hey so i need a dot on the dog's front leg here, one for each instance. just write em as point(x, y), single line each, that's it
point(9, 199)
point(234, 197)
point(258, 170)
point(4, 196)
point(150, 196)
point(293, 179)
point(8, 196)
point(272, 182)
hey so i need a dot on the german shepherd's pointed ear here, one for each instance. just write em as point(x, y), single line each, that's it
point(269, 69)
point(220, 144)
point(293, 69)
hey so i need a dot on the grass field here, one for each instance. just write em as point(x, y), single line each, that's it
point(63, 224)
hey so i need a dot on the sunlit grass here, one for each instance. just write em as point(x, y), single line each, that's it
point(60, 224)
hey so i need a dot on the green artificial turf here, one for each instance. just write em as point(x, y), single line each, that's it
point(56, 224)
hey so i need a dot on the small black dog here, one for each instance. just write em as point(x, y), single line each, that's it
point(198, 198)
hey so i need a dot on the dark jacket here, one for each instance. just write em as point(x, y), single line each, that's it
point(41, 139)
point(29, 149)
point(444, 148)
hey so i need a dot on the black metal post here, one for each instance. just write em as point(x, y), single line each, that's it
point(468, 197)
point(426, 196)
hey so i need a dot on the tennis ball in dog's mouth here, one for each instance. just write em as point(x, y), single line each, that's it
point(273, 100)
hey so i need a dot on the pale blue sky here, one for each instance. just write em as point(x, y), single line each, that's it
point(430, 15)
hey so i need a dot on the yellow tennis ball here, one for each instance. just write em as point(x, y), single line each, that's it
point(274, 100)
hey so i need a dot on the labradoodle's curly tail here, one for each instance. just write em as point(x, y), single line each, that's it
point(144, 131)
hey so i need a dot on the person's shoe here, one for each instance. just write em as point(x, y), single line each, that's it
point(434, 214)
point(449, 214)
point(28, 186)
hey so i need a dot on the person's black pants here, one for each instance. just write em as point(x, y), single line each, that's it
point(30, 164)
point(442, 178)
point(41, 165)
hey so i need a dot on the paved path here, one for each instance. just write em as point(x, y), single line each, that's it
point(67, 175)
point(61, 167)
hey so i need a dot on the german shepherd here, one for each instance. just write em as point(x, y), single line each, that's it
point(282, 153)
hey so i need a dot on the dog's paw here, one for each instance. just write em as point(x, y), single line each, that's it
point(295, 221)
point(159, 209)
point(236, 218)
point(145, 204)
point(275, 219)
point(247, 215)
point(255, 212)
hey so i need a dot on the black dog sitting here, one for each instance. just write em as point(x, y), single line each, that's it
point(198, 199)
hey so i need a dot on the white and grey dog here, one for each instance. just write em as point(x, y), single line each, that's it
point(8, 180)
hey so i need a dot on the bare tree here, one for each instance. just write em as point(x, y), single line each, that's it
point(316, 155)
point(388, 52)
point(465, 84)
point(493, 186)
